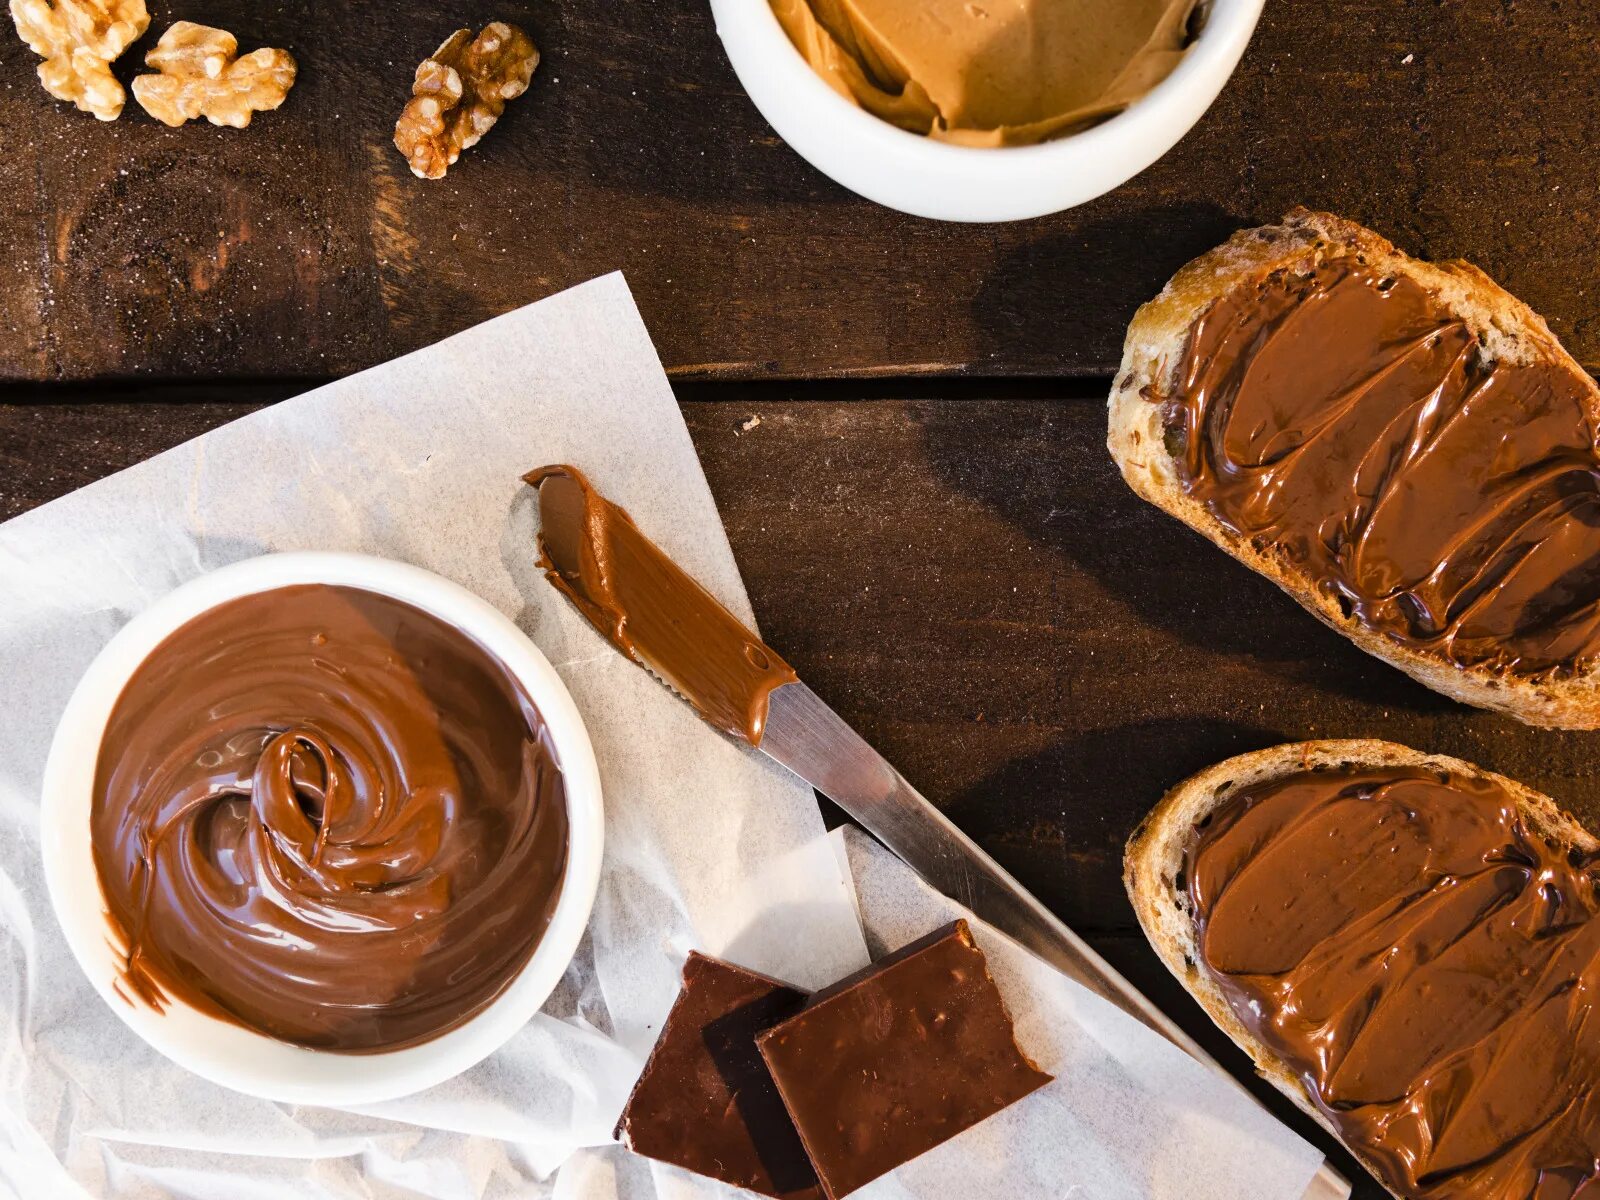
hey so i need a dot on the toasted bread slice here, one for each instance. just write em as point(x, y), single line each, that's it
point(1153, 353)
point(1155, 856)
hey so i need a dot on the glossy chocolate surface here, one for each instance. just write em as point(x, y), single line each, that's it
point(1424, 962)
point(897, 1059)
point(649, 608)
point(1348, 421)
point(705, 1101)
point(329, 816)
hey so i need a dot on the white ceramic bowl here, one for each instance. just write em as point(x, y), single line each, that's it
point(927, 178)
point(230, 1054)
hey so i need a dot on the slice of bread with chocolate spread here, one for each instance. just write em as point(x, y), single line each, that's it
point(1402, 446)
point(1406, 946)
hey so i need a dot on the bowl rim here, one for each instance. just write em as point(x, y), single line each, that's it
point(233, 1055)
point(1227, 24)
point(945, 181)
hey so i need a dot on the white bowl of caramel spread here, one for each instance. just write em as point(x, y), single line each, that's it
point(983, 110)
point(322, 828)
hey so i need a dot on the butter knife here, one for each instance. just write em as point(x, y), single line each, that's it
point(660, 617)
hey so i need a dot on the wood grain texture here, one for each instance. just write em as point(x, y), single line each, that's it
point(303, 247)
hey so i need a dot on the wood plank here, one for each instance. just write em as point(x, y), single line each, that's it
point(1040, 651)
point(24, 348)
point(302, 247)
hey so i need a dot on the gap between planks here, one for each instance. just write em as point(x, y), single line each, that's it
point(696, 391)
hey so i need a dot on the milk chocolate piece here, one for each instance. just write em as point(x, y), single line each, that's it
point(705, 1101)
point(897, 1059)
point(1424, 961)
point(649, 608)
point(1349, 420)
point(328, 816)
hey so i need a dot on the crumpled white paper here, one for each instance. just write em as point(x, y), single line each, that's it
point(708, 845)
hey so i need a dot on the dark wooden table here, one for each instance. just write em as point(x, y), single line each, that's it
point(1038, 650)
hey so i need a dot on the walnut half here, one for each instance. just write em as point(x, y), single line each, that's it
point(459, 93)
point(79, 40)
point(201, 77)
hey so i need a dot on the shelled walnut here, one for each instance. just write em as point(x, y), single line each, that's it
point(459, 93)
point(79, 40)
point(201, 77)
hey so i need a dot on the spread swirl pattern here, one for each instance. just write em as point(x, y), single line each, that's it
point(328, 816)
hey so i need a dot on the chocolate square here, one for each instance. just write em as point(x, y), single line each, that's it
point(705, 1101)
point(897, 1059)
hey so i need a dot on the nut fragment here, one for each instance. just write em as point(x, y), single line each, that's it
point(460, 92)
point(78, 40)
point(200, 77)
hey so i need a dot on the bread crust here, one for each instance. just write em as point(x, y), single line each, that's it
point(1152, 355)
point(1153, 864)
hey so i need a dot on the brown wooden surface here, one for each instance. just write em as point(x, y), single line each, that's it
point(1041, 652)
point(303, 247)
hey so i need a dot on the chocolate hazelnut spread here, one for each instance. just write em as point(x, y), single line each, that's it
point(1351, 422)
point(989, 72)
point(1425, 962)
point(649, 608)
point(328, 816)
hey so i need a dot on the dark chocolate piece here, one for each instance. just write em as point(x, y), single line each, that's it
point(897, 1059)
point(705, 1101)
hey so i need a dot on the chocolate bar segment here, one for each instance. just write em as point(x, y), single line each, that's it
point(705, 1101)
point(897, 1059)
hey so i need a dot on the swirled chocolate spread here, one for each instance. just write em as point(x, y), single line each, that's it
point(1351, 421)
point(1425, 962)
point(648, 608)
point(328, 816)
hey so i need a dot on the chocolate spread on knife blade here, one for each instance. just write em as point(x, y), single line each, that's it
point(1426, 964)
point(328, 816)
point(1348, 420)
point(649, 608)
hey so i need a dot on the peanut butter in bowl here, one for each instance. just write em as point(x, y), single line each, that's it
point(990, 72)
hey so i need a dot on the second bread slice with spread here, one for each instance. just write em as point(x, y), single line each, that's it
point(1402, 446)
point(1408, 947)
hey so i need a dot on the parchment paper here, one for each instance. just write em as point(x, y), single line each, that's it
point(708, 845)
